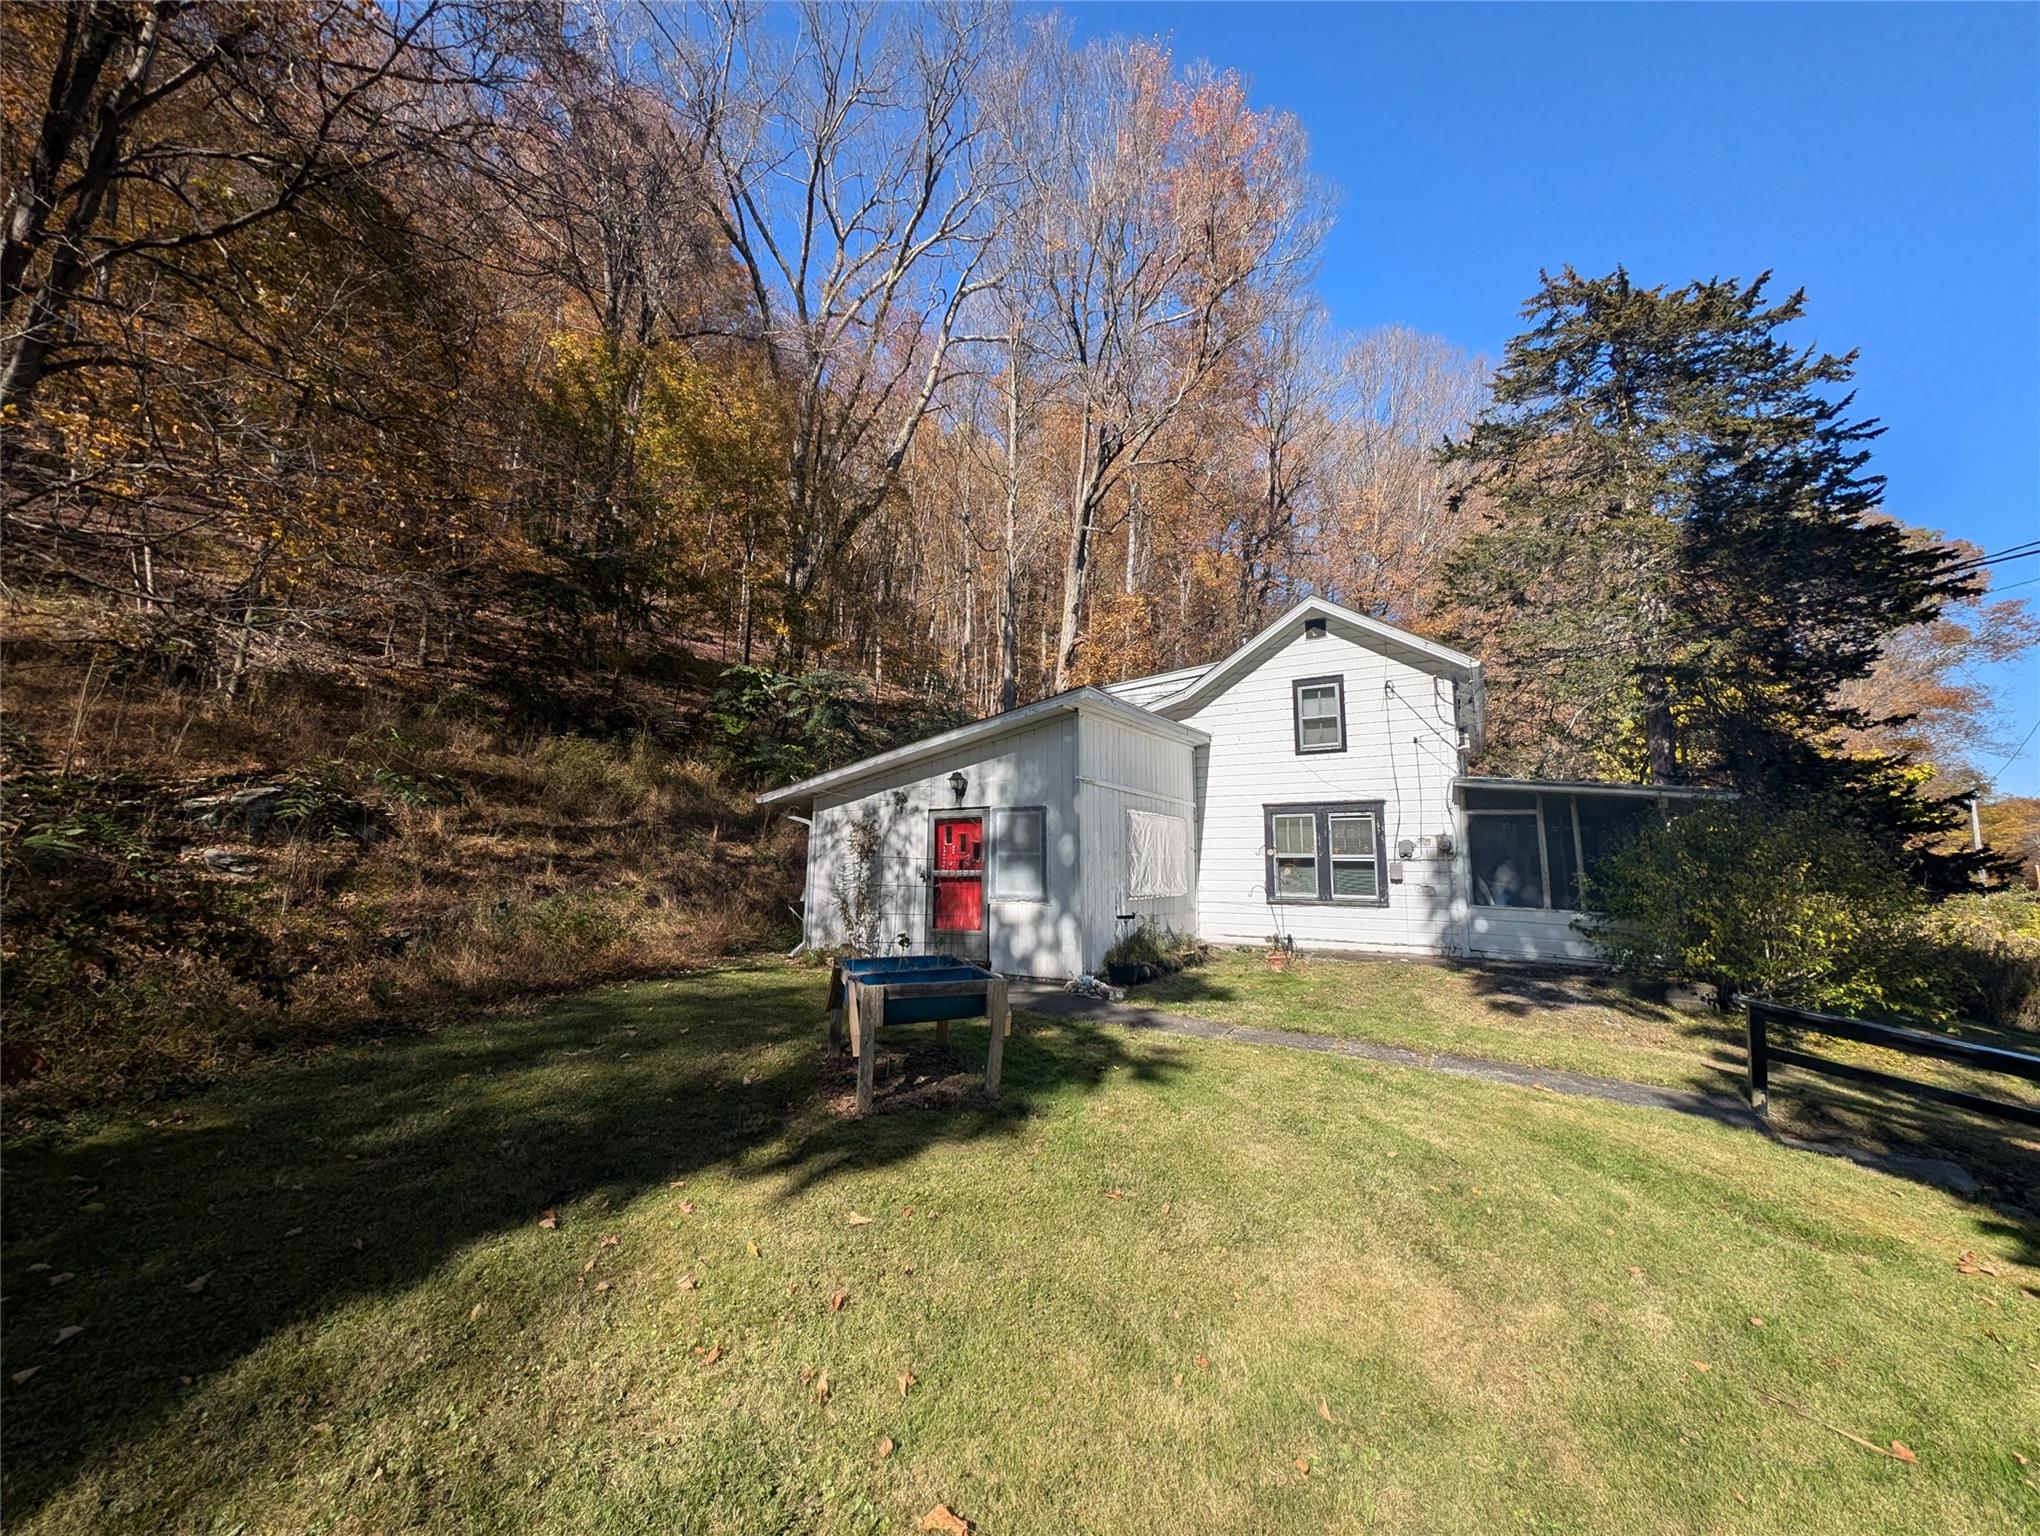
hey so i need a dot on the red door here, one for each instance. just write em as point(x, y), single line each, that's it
point(959, 874)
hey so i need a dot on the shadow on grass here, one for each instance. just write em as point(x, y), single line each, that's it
point(1901, 1135)
point(307, 1187)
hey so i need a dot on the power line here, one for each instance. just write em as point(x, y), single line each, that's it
point(2021, 747)
point(2015, 552)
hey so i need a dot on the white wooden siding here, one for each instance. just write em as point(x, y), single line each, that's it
point(1036, 765)
point(1525, 933)
point(1122, 768)
point(1401, 749)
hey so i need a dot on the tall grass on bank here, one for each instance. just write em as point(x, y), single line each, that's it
point(428, 856)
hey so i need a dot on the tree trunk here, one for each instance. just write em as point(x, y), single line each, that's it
point(1009, 615)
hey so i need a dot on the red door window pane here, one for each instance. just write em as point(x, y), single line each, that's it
point(959, 875)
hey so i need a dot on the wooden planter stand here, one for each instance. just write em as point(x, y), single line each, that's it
point(924, 988)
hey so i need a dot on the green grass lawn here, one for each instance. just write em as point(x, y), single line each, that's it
point(1583, 1022)
point(1166, 1286)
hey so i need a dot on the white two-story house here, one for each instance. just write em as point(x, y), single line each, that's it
point(1311, 787)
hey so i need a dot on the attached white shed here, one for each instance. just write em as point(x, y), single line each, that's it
point(1027, 841)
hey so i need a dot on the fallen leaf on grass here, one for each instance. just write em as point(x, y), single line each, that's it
point(601, 1285)
point(836, 1301)
point(1970, 1264)
point(907, 1382)
point(295, 1232)
point(686, 1207)
point(69, 1331)
point(38, 1269)
point(885, 1447)
point(60, 1279)
point(945, 1521)
point(751, 1249)
point(675, 1183)
point(1903, 1451)
point(1115, 1194)
point(199, 1284)
point(710, 1355)
point(322, 1428)
point(1702, 1365)
point(609, 1240)
point(1203, 1363)
point(1303, 1465)
point(1756, 1322)
point(549, 1221)
point(1324, 1410)
point(475, 1311)
point(1635, 1273)
point(22, 1375)
point(689, 1283)
point(1179, 1378)
point(587, 1266)
point(858, 1221)
point(822, 1387)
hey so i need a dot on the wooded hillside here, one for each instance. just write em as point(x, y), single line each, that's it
point(392, 393)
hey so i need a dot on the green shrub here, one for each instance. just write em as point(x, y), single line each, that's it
point(1787, 902)
point(1990, 943)
point(767, 727)
point(1164, 949)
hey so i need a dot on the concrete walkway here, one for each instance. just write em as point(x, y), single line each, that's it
point(1047, 999)
point(1728, 1109)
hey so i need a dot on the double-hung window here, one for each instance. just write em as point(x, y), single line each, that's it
point(1334, 852)
point(1320, 704)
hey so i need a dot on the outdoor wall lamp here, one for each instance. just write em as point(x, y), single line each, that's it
point(958, 784)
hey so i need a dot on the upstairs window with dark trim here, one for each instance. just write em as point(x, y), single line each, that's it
point(1335, 853)
point(1320, 714)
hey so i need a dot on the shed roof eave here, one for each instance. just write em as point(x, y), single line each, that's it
point(1594, 787)
point(1077, 701)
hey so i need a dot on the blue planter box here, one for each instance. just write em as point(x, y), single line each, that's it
point(899, 970)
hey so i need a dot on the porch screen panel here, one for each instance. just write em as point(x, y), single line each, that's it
point(1507, 869)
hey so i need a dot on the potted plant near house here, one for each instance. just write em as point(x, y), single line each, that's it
point(1281, 947)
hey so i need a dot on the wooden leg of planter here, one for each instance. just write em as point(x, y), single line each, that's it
point(942, 1031)
point(835, 1006)
point(1000, 1019)
point(870, 1015)
point(853, 1019)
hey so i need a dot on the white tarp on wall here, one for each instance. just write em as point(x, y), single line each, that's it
point(1157, 855)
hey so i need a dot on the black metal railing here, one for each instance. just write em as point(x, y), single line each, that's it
point(1982, 1058)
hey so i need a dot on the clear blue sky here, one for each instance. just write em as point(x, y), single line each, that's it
point(1884, 157)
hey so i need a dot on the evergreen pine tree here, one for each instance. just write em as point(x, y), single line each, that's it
point(1684, 563)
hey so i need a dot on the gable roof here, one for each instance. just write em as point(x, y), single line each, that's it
point(1374, 631)
point(1156, 685)
point(1075, 702)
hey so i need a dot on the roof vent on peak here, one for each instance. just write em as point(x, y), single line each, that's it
point(1314, 628)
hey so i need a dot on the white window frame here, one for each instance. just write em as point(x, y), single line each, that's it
point(995, 872)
